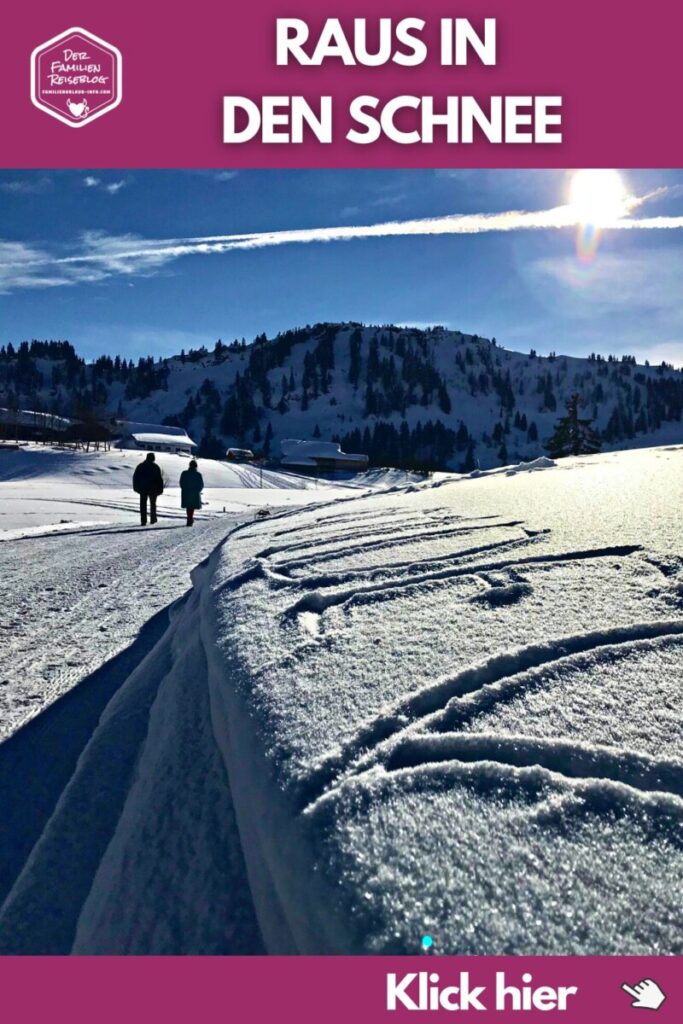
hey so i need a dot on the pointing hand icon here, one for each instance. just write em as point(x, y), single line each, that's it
point(647, 995)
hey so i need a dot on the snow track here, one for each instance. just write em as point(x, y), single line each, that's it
point(443, 705)
point(74, 600)
point(186, 890)
point(570, 760)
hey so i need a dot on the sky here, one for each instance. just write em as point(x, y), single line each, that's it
point(148, 262)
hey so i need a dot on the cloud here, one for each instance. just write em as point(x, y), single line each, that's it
point(111, 187)
point(226, 174)
point(23, 266)
point(663, 352)
point(651, 276)
point(591, 297)
point(27, 186)
point(98, 256)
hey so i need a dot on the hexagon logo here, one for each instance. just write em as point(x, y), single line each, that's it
point(76, 77)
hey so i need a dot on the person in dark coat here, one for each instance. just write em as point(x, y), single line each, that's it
point(191, 487)
point(149, 484)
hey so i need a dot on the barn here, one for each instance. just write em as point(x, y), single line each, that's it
point(320, 455)
point(156, 438)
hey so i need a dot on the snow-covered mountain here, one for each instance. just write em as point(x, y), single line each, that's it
point(404, 396)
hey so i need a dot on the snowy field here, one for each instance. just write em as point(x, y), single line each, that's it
point(42, 488)
point(449, 707)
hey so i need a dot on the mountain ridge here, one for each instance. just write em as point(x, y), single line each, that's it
point(420, 397)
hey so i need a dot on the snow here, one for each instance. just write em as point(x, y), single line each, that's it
point(159, 429)
point(529, 467)
point(307, 453)
point(182, 440)
point(446, 706)
point(31, 418)
point(427, 734)
point(48, 486)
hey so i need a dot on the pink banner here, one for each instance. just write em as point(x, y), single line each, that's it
point(617, 74)
point(336, 990)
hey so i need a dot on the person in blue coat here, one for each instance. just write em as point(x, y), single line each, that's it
point(191, 487)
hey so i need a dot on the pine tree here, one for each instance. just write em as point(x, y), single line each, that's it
point(573, 435)
point(469, 464)
point(355, 342)
point(444, 399)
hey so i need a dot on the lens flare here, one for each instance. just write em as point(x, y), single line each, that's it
point(597, 198)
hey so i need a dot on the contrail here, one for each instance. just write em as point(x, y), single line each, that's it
point(119, 250)
point(102, 255)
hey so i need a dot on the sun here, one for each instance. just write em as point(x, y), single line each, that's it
point(598, 197)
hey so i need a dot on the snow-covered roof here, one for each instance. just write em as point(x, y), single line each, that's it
point(308, 453)
point(134, 428)
point(181, 439)
point(32, 417)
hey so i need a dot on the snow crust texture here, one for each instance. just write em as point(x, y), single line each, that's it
point(455, 709)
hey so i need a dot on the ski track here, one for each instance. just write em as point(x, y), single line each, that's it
point(319, 601)
point(64, 616)
point(347, 551)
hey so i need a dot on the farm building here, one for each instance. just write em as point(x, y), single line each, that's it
point(156, 438)
point(31, 425)
point(320, 455)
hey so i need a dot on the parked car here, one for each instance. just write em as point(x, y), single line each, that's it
point(239, 455)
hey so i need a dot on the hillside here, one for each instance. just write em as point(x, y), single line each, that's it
point(405, 396)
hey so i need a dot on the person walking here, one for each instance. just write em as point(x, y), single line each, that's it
point(191, 487)
point(149, 484)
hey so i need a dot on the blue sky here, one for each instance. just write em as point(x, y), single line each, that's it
point(146, 262)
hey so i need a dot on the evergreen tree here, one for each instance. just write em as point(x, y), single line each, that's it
point(462, 436)
point(469, 464)
point(573, 435)
point(444, 399)
point(355, 342)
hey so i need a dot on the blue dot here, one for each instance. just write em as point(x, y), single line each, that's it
point(427, 941)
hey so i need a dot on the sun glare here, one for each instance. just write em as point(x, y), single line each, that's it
point(598, 197)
